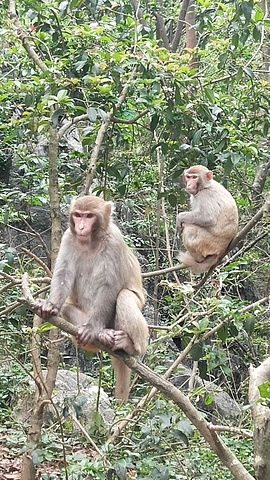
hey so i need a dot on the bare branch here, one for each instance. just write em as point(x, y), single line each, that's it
point(180, 25)
point(37, 260)
point(90, 174)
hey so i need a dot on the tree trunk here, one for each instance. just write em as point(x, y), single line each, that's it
point(261, 417)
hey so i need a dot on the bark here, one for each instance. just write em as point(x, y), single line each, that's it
point(44, 388)
point(191, 36)
point(180, 26)
point(261, 417)
point(259, 181)
point(160, 26)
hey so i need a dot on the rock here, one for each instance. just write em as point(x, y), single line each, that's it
point(222, 405)
point(65, 395)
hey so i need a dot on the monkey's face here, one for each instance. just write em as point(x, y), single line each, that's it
point(192, 183)
point(83, 223)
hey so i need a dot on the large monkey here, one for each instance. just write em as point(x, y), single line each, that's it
point(97, 285)
point(212, 223)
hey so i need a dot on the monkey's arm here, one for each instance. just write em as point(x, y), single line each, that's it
point(200, 218)
point(61, 284)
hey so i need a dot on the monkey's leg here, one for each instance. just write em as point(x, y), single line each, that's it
point(122, 376)
point(131, 329)
point(73, 314)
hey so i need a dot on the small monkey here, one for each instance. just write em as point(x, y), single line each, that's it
point(97, 286)
point(212, 223)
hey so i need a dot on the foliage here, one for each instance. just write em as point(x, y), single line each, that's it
point(215, 113)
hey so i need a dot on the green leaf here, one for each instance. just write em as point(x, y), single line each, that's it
point(129, 203)
point(81, 400)
point(45, 327)
point(256, 33)
point(233, 331)
point(178, 98)
point(210, 94)
point(180, 436)
point(258, 13)
point(35, 458)
point(264, 390)
point(235, 40)
point(165, 420)
point(223, 333)
point(203, 324)
point(78, 410)
point(186, 427)
point(247, 10)
point(249, 72)
point(208, 399)
point(29, 99)
point(222, 60)
point(91, 114)
point(239, 74)
point(154, 122)
point(196, 138)
point(249, 324)
point(196, 351)
point(172, 199)
point(122, 188)
point(55, 117)
point(203, 368)
point(265, 128)
point(63, 8)
point(103, 115)
point(62, 94)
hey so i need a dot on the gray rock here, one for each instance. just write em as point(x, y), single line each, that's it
point(65, 395)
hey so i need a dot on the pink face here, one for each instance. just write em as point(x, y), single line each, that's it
point(192, 183)
point(83, 223)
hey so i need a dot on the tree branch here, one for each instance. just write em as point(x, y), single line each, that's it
point(180, 25)
point(223, 452)
point(240, 236)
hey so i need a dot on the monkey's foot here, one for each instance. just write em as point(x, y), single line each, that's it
point(122, 341)
point(107, 337)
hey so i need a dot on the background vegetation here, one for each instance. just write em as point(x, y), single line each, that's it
point(118, 98)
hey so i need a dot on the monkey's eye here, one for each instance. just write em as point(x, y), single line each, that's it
point(77, 214)
point(90, 215)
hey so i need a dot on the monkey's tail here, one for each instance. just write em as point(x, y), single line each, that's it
point(187, 261)
point(122, 375)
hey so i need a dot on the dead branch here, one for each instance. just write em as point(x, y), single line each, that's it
point(37, 260)
point(237, 431)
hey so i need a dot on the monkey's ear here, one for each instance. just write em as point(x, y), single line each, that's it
point(108, 208)
point(209, 175)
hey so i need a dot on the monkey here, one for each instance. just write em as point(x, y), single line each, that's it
point(97, 285)
point(212, 223)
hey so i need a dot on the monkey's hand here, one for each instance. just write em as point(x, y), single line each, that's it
point(87, 334)
point(180, 222)
point(45, 308)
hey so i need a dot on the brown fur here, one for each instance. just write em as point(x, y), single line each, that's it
point(97, 285)
point(212, 223)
